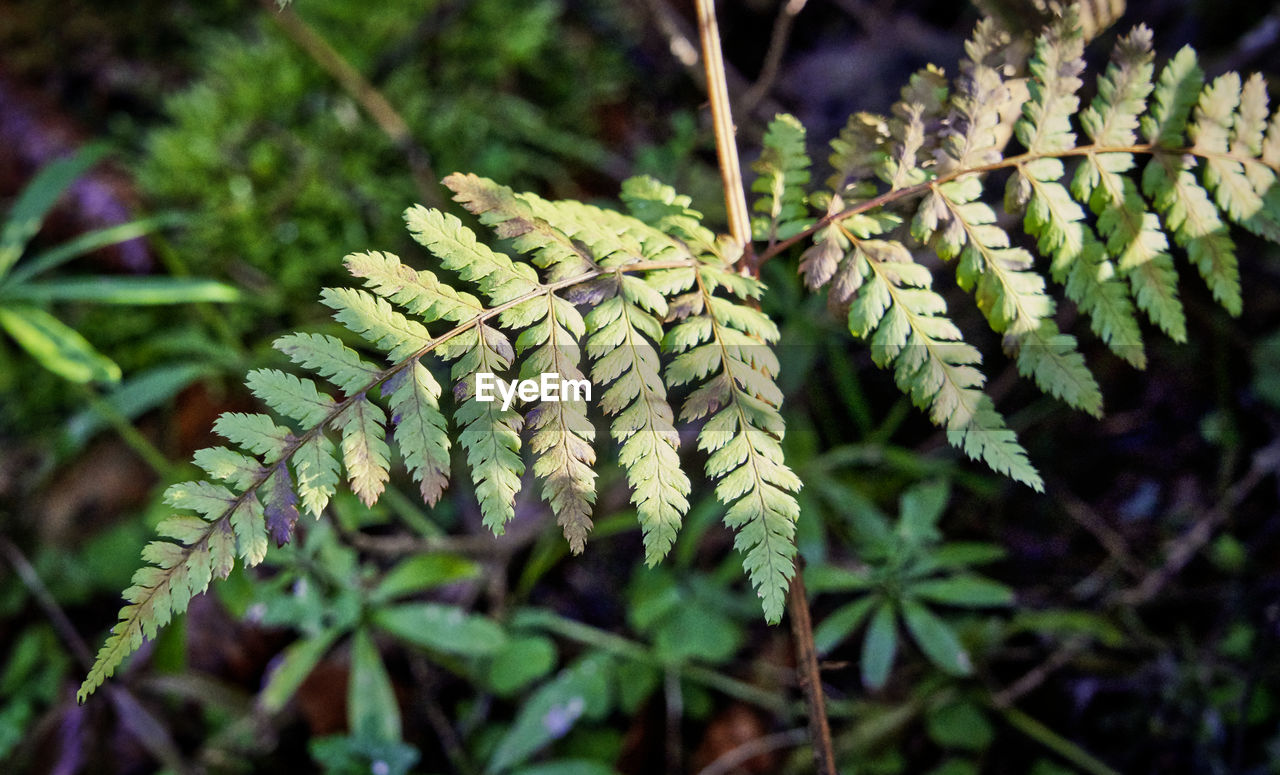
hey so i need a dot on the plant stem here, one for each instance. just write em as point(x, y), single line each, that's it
point(620, 646)
point(131, 436)
point(735, 198)
point(1055, 742)
point(809, 675)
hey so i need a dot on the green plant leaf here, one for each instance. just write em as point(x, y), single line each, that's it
point(136, 291)
point(519, 662)
point(35, 201)
point(841, 622)
point(581, 690)
point(293, 667)
point(372, 711)
point(440, 627)
point(422, 572)
point(936, 639)
point(959, 725)
point(969, 591)
point(57, 346)
point(879, 647)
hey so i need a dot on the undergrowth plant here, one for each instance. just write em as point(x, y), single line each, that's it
point(660, 314)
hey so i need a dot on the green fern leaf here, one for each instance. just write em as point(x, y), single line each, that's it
point(331, 359)
point(783, 174)
point(364, 449)
point(295, 398)
point(315, 466)
point(561, 433)
point(1228, 141)
point(658, 205)
point(1134, 236)
point(724, 347)
point(489, 434)
point(622, 331)
point(420, 429)
point(419, 292)
point(1167, 180)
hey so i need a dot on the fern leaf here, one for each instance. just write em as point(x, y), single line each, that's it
point(1175, 95)
point(1051, 358)
point(495, 274)
point(364, 449)
point(903, 318)
point(280, 505)
point(1055, 68)
point(376, 320)
point(420, 428)
point(1228, 141)
point(331, 359)
point(917, 117)
point(725, 348)
point(858, 152)
point(1167, 180)
point(419, 292)
point(561, 433)
point(256, 433)
point(315, 465)
point(295, 398)
point(622, 331)
point(783, 170)
point(228, 466)
point(174, 572)
point(517, 217)
point(1134, 235)
point(658, 205)
point(489, 434)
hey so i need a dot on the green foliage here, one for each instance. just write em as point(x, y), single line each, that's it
point(908, 570)
point(1213, 160)
point(630, 288)
point(26, 292)
point(409, 316)
point(283, 166)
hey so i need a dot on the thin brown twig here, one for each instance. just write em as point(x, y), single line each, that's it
point(1093, 522)
point(731, 759)
point(773, 57)
point(810, 676)
point(140, 722)
point(735, 197)
point(1266, 462)
point(373, 101)
point(1037, 675)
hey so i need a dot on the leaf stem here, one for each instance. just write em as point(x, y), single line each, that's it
point(735, 197)
point(809, 675)
point(892, 196)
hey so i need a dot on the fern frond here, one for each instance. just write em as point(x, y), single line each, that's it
point(562, 434)
point(914, 129)
point(623, 330)
point(1080, 261)
point(723, 348)
point(783, 175)
point(1134, 235)
point(1167, 180)
point(489, 433)
point(420, 429)
point(658, 205)
point(904, 319)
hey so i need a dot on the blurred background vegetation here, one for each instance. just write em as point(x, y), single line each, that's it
point(1125, 622)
